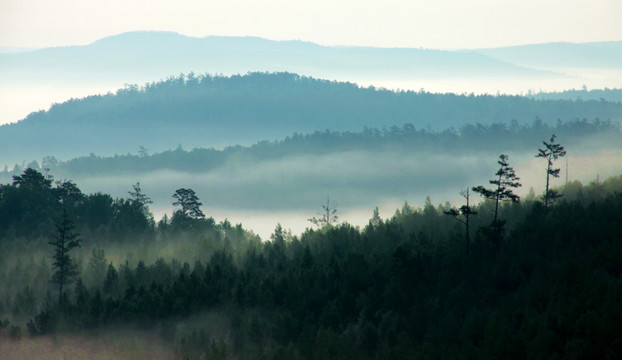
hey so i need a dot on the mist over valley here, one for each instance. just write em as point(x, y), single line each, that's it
point(35, 79)
point(174, 197)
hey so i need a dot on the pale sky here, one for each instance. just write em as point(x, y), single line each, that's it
point(441, 24)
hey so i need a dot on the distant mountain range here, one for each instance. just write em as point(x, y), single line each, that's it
point(561, 55)
point(148, 56)
point(217, 111)
point(274, 102)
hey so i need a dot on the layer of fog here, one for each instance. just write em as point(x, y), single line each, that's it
point(121, 344)
point(291, 190)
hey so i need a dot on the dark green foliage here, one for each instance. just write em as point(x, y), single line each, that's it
point(96, 268)
point(393, 292)
point(401, 288)
point(30, 207)
point(189, 203)
point(7, 330)
point(66, 240)
point(462, 215)
point(140, 200)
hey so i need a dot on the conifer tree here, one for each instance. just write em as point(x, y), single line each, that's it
point(189, 203)
point(551, 152)
point(504, 182)
point(140, 199)
point(66, 240)
point(462, 215)
point(328, 215)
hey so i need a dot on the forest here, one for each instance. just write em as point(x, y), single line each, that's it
point(540, 279)
point(474, 138)
point(310, 180)
point(218, 111)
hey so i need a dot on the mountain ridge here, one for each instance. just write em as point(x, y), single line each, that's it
point(164, 53)
point(217, 111)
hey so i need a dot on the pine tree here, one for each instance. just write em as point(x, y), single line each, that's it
point(189, 202)
point(462, 215)
point(328, 216)
point(551, 152)
point(504, 183)
point(140, 200)
point(64, 266)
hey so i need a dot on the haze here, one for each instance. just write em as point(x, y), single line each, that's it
point(445, 24)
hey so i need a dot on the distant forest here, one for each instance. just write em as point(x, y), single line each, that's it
point(611, 95)
point(401, 287)
point(474, 138)
point(217, 111)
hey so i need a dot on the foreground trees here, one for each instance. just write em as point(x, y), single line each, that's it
point(463, 215)
point(31, 205)
point(399, 289)
point(64, 266)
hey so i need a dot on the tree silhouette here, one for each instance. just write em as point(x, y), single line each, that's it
point(551, 152)
point(32, 179)
point(140, 200)
point(328, 215)
point(462, 215)
point(189, 203)
point(505, 181)
point(66, 240)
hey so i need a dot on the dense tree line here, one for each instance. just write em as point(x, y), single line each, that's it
point(400, 287)
point(32, 204)
point(475, 137)
point(606, 94)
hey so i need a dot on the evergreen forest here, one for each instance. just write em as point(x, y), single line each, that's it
point(540, 280)
point(203, 110)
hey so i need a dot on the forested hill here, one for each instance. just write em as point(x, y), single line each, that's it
point(215, 111)
point(146, 54)
point(405, 287)
point(407, 139)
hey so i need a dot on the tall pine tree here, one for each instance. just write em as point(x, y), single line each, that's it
point(551, 152)
point(504, 182)
point(64, 266)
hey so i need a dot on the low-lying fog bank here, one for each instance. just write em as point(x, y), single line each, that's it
point(291, 190)
point(120, 345)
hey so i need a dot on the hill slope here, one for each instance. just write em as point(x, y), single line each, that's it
point(149, 55)
point(561, 55)
point(218, 111)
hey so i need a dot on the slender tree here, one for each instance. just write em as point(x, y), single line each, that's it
point(140, 199)
point(551, 152)
point(504, 182)
point(462, 215)
point(66, 240)
point(328, 215)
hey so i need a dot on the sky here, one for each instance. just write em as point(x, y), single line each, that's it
point(439, 24)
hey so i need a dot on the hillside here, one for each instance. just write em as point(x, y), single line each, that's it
point(401, 287)
point(217, 111)
point(149, 55)
point(37, 78)
point(561, 55)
